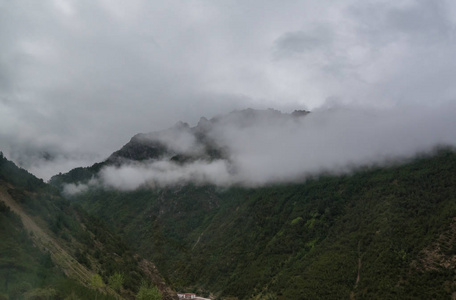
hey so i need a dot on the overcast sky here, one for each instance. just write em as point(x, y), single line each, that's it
point(79, 78)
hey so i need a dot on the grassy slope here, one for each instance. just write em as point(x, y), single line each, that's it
point(379, 233)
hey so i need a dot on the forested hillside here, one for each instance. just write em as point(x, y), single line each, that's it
point(378, 233)
point(52, 249)
point(227, 150)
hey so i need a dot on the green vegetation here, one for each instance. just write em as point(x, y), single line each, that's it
point(148, 292)
point(379, 233)
point(28, 273)
point(96, 281)
point(116, 281)
point(36, 294)
point(20, 178)
point(43, 237)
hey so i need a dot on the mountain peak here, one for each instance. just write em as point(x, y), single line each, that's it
point(181, 125)
point(194, 142)
point(300, 113)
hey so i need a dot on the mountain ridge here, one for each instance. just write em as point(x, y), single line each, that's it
point(148, 145)
point(198, 143)
point(369, 234)
point(373, 232)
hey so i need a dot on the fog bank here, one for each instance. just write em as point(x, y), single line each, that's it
point(264, 147)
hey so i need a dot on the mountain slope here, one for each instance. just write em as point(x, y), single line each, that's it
point(182, 145)
point(378, 233)
point(53, 249)
point(44, 241)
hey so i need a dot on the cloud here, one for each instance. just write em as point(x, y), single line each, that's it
point(379, 53)
point(265, 147)
point(335, 140)
point(164, 173)
point(79, 78)
point(74, 189)
point(178, 139)
point(316, 39)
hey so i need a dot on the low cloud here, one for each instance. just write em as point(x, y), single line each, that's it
point(178, 139)
point(164, 173)
point(44, 159)
point(77, 188)
point(155, 174)
point(264, 147)
point(79, 78)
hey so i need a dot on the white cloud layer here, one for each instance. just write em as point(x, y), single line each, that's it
point(79, 78)
point(268, 147)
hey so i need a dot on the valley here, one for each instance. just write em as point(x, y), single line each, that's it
point(378, 231)
point(227, 150)
point(361, 235)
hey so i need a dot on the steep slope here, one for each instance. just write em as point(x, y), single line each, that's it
point(379, 233)
point(43, 240)
point(53, 249)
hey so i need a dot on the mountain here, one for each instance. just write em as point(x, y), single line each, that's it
point(378, 232)
point(53, 249)
point(183, 145)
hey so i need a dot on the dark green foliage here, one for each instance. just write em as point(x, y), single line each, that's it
point(76, 175)
point(10, 173)
point(82, 258)
point(148, 292)
point(28, 272)
point(17, 255)
point(116, 281)
point(299, 241)
point(25, 271)
point(139, 149)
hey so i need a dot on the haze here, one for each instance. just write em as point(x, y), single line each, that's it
point(79, 78)
point(265, 147)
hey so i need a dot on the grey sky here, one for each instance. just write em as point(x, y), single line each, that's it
point(79, 78)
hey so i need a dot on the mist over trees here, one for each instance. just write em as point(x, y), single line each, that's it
point(258, 147)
